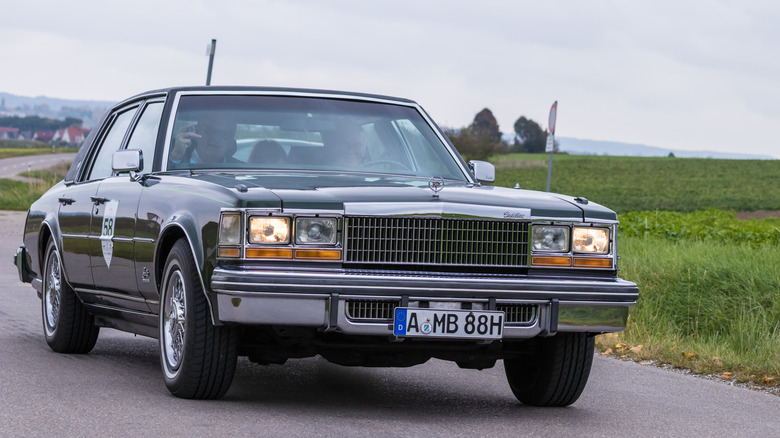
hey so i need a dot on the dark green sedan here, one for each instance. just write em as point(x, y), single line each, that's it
point(286, 223)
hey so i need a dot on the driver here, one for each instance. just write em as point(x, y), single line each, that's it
point(208, 141)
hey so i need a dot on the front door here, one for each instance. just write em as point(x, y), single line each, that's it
point(112, 243)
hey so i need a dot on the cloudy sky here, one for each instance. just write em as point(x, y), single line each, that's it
point(685, 74)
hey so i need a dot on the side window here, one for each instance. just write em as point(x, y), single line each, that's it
point(101, 166)
point(144, 136)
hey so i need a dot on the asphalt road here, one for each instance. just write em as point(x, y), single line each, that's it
point(10, 167)
point(117, 391)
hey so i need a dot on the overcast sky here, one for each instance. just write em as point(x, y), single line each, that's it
point(700, 75)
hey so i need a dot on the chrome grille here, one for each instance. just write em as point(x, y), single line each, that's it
point(519, 313)
point(371, 310)
point(437, 241)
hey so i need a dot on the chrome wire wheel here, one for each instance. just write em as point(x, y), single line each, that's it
point(198, 359)
point(52, 293)
point(67, 325)
point(174, 321)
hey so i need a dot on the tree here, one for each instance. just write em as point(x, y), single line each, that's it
point(479, 140)
point(37, 123)
point(485, 126)
point(530, 137)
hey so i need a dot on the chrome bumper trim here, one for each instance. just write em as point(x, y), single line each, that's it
point(307, 299)
point(394, 284)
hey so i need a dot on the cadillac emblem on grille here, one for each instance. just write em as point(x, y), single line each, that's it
point(436, 184)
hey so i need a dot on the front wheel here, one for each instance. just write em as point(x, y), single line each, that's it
point(555, 372)
point(198, 359)
point(67, 326)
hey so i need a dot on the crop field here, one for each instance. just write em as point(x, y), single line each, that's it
point(15, 148)
point(643, 183)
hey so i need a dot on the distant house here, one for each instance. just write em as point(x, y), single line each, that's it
point(43, 136)
point(9, 133)
point(70, 135)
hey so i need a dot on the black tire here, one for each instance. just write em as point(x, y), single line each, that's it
point(555, 373)
point(67, 326)
point(198, 359)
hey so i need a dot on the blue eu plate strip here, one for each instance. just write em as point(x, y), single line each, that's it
point(399, 324)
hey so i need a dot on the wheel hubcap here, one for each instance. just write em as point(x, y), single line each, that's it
point(51, 297)
point(174, 320)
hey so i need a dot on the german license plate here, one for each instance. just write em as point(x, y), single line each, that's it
point(460, 324)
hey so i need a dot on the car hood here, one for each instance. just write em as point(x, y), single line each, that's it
point(371, 194)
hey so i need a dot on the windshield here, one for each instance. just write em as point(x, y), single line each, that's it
point(275, 132)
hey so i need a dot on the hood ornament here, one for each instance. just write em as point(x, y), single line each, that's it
point(436, 184)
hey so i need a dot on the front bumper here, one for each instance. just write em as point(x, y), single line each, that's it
point(22, 263)
point(318, 298)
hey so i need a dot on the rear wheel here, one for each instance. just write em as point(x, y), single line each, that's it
point(198, 359)
point(67, 325)
point(556, 371)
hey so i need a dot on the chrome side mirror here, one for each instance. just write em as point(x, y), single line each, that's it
point(483, 171)
point(128, 160)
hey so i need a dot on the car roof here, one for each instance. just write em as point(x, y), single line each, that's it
point(251, 90)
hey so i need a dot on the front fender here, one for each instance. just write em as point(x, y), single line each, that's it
point(198, 237)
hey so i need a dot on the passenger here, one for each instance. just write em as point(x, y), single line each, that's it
point(267, 152)
point(211, 140)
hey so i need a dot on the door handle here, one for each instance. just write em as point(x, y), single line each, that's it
point(66, 201)
point(98, 200)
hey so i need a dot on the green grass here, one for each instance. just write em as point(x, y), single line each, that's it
point(17, 195)
point(717, 225)
point(708, 299)
point(20, 152)
point(642, 183)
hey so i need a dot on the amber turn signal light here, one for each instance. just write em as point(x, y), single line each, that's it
point(229, 252)
point(588, 262)
point(318, 254)
point(551, 261)
point(269, 253)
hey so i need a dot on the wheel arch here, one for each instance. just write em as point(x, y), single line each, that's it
point(169, 235)
point(47, 232)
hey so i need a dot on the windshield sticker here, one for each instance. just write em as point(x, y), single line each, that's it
point(107, 235)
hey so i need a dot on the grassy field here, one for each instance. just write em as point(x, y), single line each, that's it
point(709, 282)
point(17, 195)
point(642, 183)
point(709, 288)
point(18, 148)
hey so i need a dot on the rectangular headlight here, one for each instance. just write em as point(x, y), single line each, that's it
point(591, 240)
point(315, 230)
point(230, 229)
point(269, 230)
point(550, 238)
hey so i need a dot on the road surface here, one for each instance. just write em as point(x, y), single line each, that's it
point(11, 167)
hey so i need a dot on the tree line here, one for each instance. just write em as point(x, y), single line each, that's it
point(37, 123)
point(482, 138)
